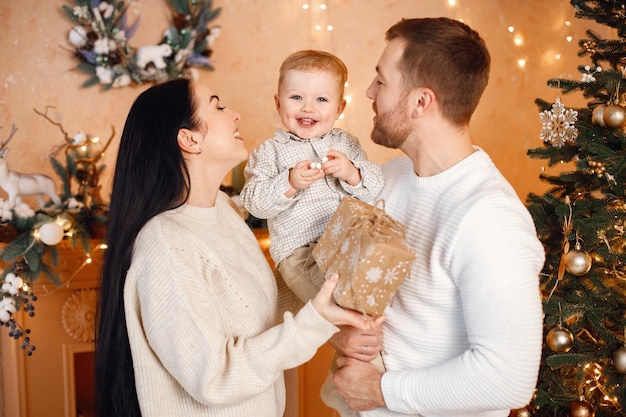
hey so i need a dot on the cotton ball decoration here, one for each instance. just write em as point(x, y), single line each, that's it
point(78, 36)
point(79, 138)
point(7, 308)
point(51, 233)
point(12, 284)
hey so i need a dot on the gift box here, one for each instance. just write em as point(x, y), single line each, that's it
point(368, 249)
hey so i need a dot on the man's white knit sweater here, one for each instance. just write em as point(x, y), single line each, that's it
point(201, 310)
point(464, 333)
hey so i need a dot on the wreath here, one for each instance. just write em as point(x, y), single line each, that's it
point(102, 31)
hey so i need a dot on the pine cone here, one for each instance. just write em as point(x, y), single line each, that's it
point(8, 233)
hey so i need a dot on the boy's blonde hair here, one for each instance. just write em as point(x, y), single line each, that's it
point(312, 60)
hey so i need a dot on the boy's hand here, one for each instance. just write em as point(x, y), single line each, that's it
point(339, 166)
point(302, 176)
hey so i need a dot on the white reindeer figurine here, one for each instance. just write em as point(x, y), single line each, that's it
point(17, 185)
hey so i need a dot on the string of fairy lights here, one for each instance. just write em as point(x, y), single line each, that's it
point(322, 28)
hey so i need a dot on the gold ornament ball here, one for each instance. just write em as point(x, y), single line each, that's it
point(598, 114)
point(619, 360)
point(577, 262)
point(581, 408)
point(614, 116)
point(560, 339)
point(520, 412)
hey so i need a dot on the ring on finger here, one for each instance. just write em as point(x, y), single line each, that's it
point(365, 350)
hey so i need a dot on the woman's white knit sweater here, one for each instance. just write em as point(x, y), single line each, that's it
point(201, 310)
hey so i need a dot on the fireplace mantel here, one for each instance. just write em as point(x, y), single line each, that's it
point(44, 384)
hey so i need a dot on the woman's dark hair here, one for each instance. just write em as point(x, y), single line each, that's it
point(150, 177)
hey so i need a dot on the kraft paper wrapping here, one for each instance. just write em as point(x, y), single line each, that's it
point(369, 251)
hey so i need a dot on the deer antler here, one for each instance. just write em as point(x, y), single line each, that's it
point(6, 142)
point(45, 116)
point(67, 139)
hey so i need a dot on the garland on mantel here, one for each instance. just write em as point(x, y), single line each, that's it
point(100, 39)
point(78, 218)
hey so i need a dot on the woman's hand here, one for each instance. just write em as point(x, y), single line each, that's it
point(336, 315)
point(364, 345)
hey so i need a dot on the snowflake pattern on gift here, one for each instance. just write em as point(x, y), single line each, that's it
point(391, 276)
point(370, 252)
point(337, 230)
point(322, 257)
point(354, 259)
point(558, 125)
point(344, 247)
point(374, 274)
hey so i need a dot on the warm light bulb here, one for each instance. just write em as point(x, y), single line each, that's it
point(348, 98)
point(88, 260)
point(329, 27)
point(305, 6)
point(511, 29)
point(518, 40)
point(569, 38)
point(318, 27)
point(323, 6)
point(521, 63)
point(452, 3)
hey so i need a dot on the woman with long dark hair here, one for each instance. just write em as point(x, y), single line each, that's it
point(188, 323)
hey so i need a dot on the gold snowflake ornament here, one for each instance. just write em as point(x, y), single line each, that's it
point(559, 125)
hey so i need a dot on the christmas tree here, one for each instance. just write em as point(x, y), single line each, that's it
point(580, 220)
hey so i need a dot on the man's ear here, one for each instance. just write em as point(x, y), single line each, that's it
point(187, 141)
point(422, 100)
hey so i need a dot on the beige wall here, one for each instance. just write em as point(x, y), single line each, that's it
point(36, 70)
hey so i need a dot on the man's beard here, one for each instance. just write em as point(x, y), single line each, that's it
point(391, 129)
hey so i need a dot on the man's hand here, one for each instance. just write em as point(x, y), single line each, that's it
point(358, 383)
